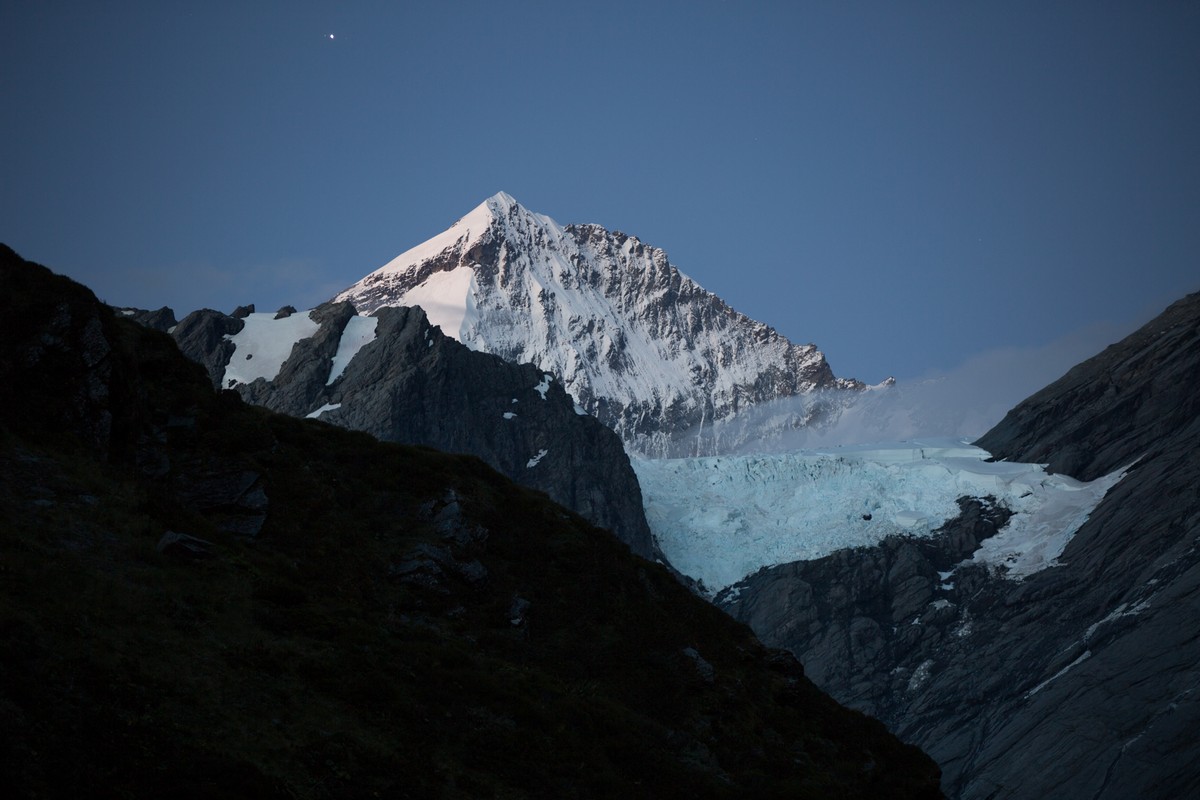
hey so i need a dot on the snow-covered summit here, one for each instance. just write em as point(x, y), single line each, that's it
point(638, 343)
point(462, 236)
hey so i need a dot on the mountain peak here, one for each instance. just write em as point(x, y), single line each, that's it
point(501, 202)
point(635, 341)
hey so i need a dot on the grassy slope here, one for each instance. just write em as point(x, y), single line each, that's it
point(297, 664)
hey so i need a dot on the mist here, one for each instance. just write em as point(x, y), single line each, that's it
point(962, 403)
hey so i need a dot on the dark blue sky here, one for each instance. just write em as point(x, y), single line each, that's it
point(911, 186)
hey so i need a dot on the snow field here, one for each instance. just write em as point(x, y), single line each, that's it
point(447, 300)
point(263, 344)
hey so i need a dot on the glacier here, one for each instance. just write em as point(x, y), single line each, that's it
point(719, 519)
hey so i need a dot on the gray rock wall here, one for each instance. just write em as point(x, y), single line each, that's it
point(1115, 407)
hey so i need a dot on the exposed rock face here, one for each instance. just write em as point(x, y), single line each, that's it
point(161, 320)
point(414, 385)
point(1116, 407)
point(234, 499)
point(866, 619)
point(201, 337)
point(638, 344)
point(1081, 681)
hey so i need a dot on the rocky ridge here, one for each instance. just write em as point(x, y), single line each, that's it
point(412, 384)
point(637, 343)
point(1079, 681)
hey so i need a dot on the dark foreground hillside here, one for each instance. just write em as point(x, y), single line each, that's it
point(199, 598)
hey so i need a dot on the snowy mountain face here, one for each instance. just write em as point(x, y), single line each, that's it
point(636, 342)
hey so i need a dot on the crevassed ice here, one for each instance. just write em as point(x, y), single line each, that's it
point(720, 519)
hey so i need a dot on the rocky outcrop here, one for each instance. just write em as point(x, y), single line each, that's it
point(1079, 681)
point(414, 385)
point(866, 620)
point(202, 336)
point(161, 320)
point(233, 498)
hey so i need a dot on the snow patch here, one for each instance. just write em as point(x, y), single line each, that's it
point(263, 344)
point(911, 519)
point(920, 675)
point(1123, 610)
point(322, 410)
point(509, 415)
point(1084, 657)
point(1046, 521)
point(359, 332)
point(463, 233)
point(544, 386)
point(533, 462)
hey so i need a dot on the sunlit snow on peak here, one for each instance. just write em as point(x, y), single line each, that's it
point(462, 234)
point(501, 201)
point(630, 338)
point(446, 300)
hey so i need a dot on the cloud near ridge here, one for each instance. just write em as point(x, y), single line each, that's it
point(962, 403)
